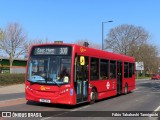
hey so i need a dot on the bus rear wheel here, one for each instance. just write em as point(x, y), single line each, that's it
point(93, 96)
point(126, 89)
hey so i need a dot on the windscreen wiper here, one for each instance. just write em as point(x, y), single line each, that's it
point(49, 79)
point(56, 83)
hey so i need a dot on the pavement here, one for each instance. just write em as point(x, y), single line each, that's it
point(18, 88)
point(143, 79)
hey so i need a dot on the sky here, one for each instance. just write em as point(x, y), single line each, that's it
point(72, 20)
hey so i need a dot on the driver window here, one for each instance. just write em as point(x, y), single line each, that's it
point(65, 69)
point(64, 72)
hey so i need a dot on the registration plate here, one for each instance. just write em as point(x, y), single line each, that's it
point(45, 100)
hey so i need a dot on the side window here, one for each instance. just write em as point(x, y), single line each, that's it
point(130, 69)
point(104, 69)
point(94, 69)
point(112, 73)
point(126, 66)
point(133, 68)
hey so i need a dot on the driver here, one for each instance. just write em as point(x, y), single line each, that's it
point(64, 72)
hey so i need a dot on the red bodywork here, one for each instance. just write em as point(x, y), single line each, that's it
point(53, 93)
point(64, 95)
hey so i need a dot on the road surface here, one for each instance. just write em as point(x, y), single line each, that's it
point(146, 97)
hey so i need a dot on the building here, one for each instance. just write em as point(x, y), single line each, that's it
point(19, 65)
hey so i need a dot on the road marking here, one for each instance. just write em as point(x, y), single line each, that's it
point(136, 89)
point(65, 112)
point(148, 91)
point(10, 100)
point(157, 109)
point(46, 118)
point(80, 108)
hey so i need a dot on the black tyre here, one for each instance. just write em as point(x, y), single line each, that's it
point(93, 96)
point(126, 89)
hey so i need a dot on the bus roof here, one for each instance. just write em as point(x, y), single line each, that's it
point(102, 54)
point(87, 51)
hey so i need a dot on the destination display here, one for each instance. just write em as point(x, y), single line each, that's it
point(51, 51)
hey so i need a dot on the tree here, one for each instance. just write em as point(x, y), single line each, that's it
point(28, 44)
point(1, 37)
point(149, 55)
point(1, 34)
point(132, 41)
point(126, 39)
point(13, 41)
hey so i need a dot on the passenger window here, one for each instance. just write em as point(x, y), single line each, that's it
point(126, 66)
point(130, 69)
point(112, 73)
point(133, 69)
point(94, 69)
point(104, 69)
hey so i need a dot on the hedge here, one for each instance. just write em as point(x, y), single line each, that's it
point(9, 79)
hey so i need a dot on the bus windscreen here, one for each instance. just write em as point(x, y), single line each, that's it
point(50, 65)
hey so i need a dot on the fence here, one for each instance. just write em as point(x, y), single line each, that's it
point(17, 70)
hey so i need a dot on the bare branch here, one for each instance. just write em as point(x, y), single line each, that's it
point(13, 41)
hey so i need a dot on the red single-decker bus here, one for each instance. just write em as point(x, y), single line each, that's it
point(72, 74)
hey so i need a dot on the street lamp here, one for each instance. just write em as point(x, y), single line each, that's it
point(102, 30)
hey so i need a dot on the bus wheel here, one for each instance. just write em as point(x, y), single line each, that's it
point(126, 89)
point(93, 96)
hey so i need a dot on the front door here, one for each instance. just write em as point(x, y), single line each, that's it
point(119, 77)
point(81, 78)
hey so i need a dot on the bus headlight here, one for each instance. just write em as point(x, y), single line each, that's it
point(27, 87)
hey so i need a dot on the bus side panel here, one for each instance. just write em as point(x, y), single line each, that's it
point(130, 82)
point(105, 88)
